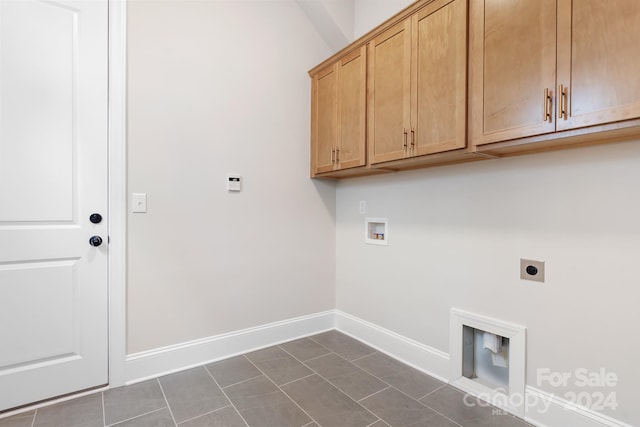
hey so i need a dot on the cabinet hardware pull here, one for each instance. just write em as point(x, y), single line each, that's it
point(333, 149)
point(413, 137)
point(337, 155)
point(404, 138)
point(548, 105)
point(562, 111)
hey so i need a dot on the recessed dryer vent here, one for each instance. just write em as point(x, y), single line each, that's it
point(485, 358)
point(488, 359)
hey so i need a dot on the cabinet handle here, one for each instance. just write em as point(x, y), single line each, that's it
point(548, 105)
point(337, 155)
point(562, 111)
point(333, 149)
point(413, 137)
point(404, 138)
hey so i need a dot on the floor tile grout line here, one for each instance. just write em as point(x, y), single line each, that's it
point(363, 357)
point(207, 413)
point(239, 382)
point(389, 386)
point(375, 376)
point(333, 351)
point(315, 357)
point(167, 402)
point(438, 412)
point(226, 395)
point(373, 394)
point(33, 421)
point(324, 346)
point(298, 379)
point(133, 418)
point(374, 422)
point(431, 392)
point(410, 397)
point(285, 393)
point(334, 386)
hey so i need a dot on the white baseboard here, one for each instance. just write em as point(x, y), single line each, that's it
point(546, 410)
point(422, 357)
point(174, 358)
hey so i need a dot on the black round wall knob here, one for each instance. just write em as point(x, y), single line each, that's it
point(95, 218)
point(95, 240)
point(532, 270)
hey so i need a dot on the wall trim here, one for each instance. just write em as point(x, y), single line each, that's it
point(548, 410)
point(117, 178)
point(161, 361)
point(427, 359)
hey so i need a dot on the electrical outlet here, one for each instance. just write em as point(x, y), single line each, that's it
point(532, 270)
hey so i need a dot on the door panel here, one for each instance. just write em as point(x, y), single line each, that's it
point(53, 175)
point(441, 77)
point(325, 119)
point(390, 102)
point(599, 57)
point(517, 65)
point(352, 101)
point(38, 82)
point(49, 320)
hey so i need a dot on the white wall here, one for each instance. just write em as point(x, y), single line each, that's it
point(370, 13)
point(333, 19)
point(217, 87)
point(456, 234)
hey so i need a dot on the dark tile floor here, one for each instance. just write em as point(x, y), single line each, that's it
point(328, 380)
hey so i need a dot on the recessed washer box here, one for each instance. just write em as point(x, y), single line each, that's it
point(376, 231)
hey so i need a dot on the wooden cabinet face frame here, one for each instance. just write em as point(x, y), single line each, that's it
point(541, 74)
point(512, 69)
point(598, 62)
point(439, 73)
point(324, 117)
point(338, 114)
point(389, 94)
point(571, 67)
point(418, 80)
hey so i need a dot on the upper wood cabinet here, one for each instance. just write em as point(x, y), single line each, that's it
point(338, 113)
point(417, 84)
point(390, 93)
point(598, 62)
point(519, 89)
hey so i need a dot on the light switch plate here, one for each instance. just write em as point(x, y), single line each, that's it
point(532, 270)
point(139, 202)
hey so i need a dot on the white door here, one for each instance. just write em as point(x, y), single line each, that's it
point(53, 176)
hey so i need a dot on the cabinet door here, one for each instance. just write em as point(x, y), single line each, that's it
point(324, 120)
point(352, 102)
point(389, 96)
point(512, 66)
point(439, 107)
point(598, 61)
